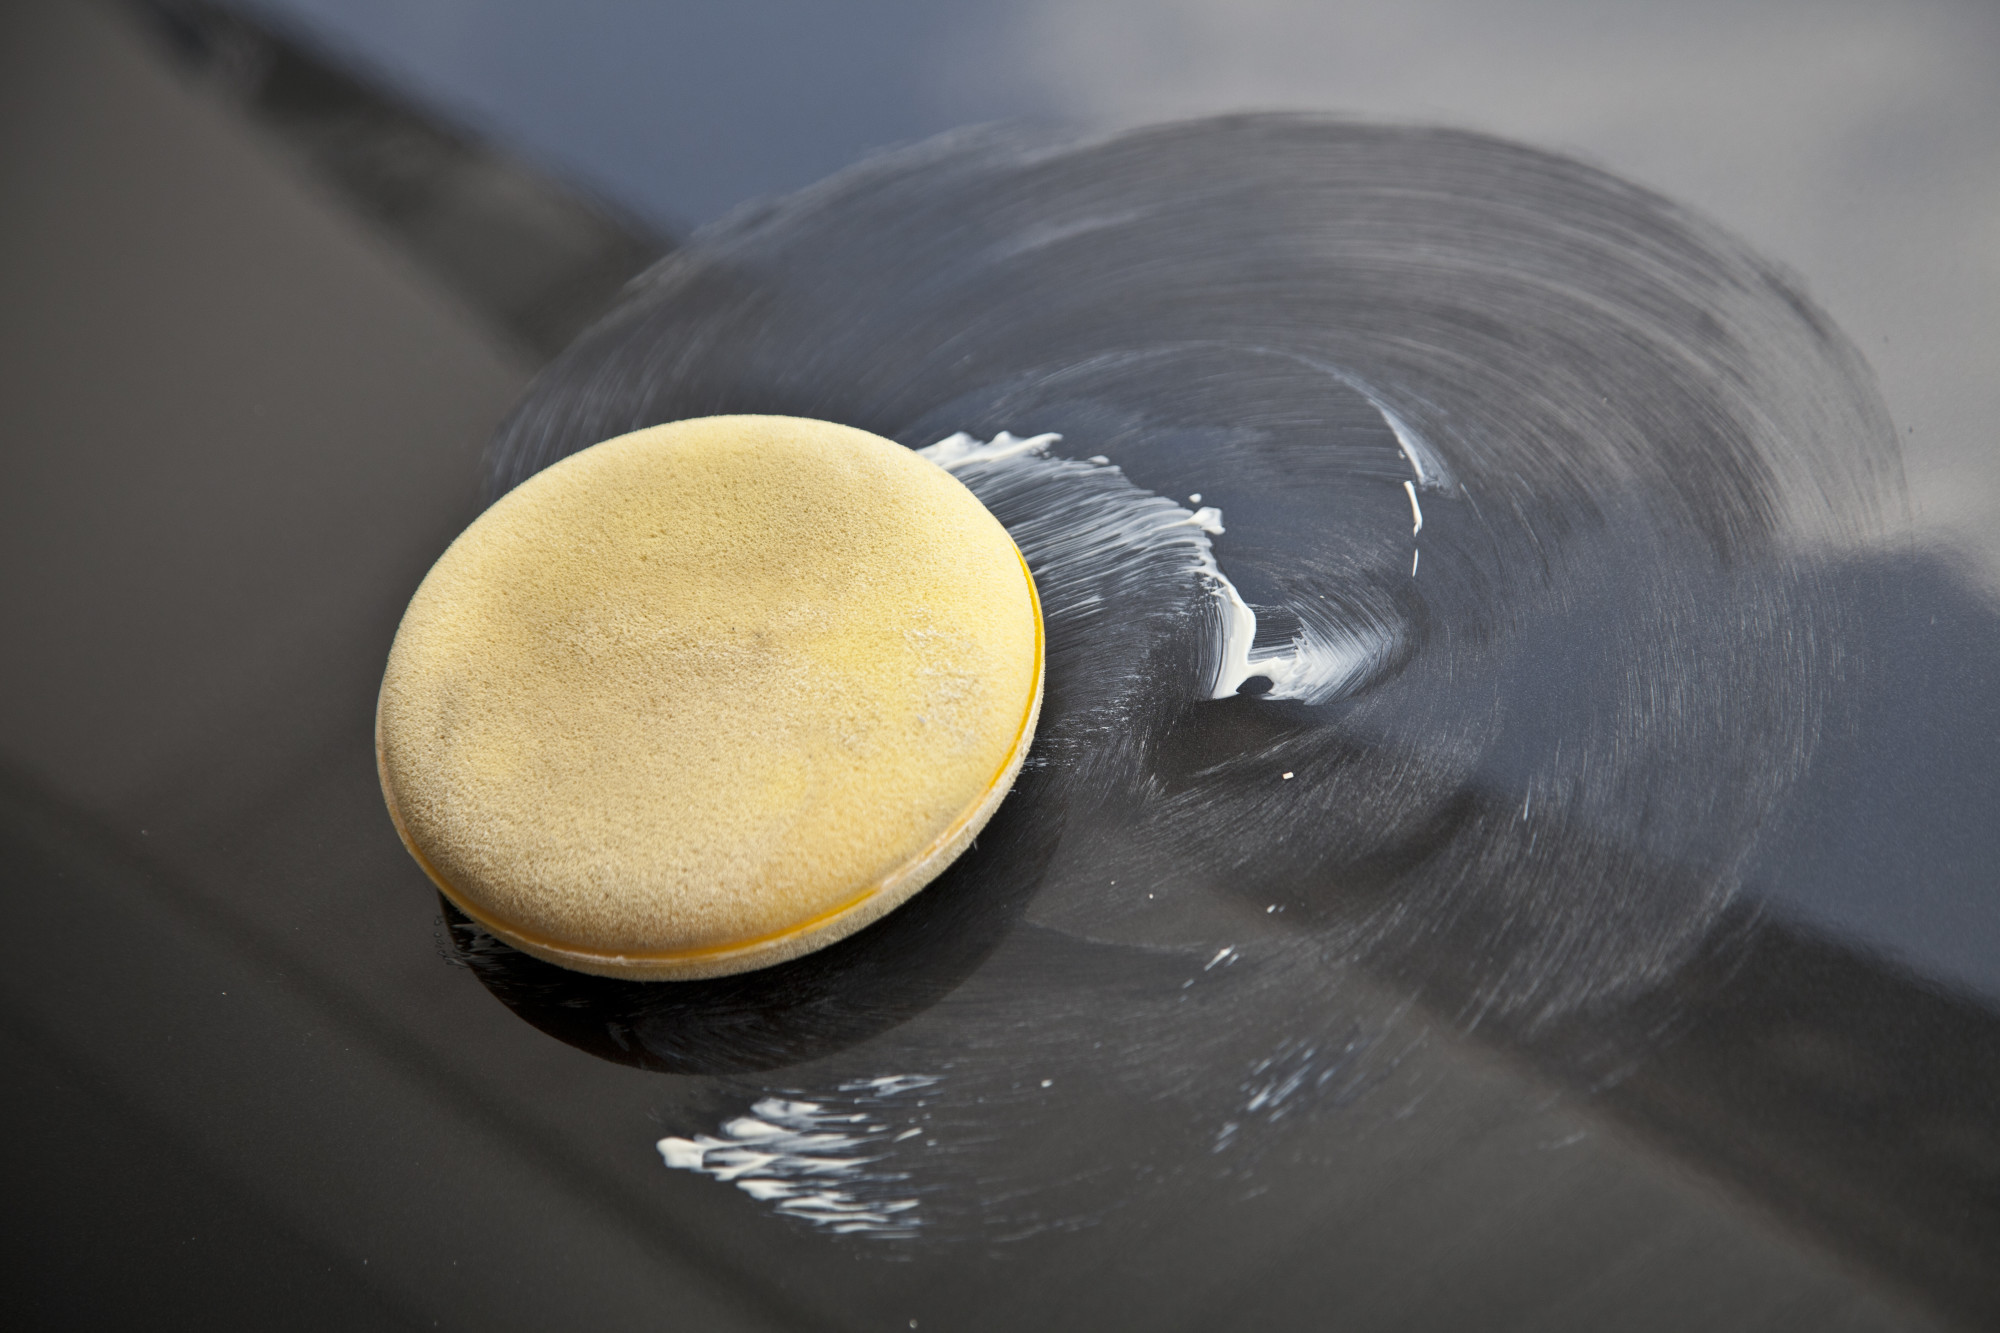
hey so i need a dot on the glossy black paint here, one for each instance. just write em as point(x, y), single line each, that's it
point(234, 1013)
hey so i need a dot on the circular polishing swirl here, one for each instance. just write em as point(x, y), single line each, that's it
point(1567, 730)
point(709, 695)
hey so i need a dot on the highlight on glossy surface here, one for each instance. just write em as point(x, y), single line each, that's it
point(709, 696)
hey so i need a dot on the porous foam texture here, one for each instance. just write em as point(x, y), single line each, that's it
point(709, 696)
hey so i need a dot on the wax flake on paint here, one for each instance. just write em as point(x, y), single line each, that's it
point(820, 1161)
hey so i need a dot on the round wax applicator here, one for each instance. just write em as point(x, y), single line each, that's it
point(709, 696)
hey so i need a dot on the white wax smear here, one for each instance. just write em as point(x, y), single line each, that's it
point(1432, 474)
point(954, 452)
point(1085, 519)
point(819, 1161)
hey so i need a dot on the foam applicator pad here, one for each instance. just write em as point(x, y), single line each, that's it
point(709, 696)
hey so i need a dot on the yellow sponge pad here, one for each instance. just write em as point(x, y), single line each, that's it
point(709, 696)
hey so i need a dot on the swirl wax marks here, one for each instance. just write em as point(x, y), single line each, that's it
point(1525, 479)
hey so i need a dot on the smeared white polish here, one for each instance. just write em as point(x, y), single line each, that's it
point(954, 452)
point(1416, 510)
point(815, 1162)
point(1037, 238)
point(1322, 659)
point(1431, 472)
point(1415, 556)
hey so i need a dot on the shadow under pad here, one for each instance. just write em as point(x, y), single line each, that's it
point(797, 1011)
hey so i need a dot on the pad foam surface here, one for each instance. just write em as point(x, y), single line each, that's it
point(709, 695)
